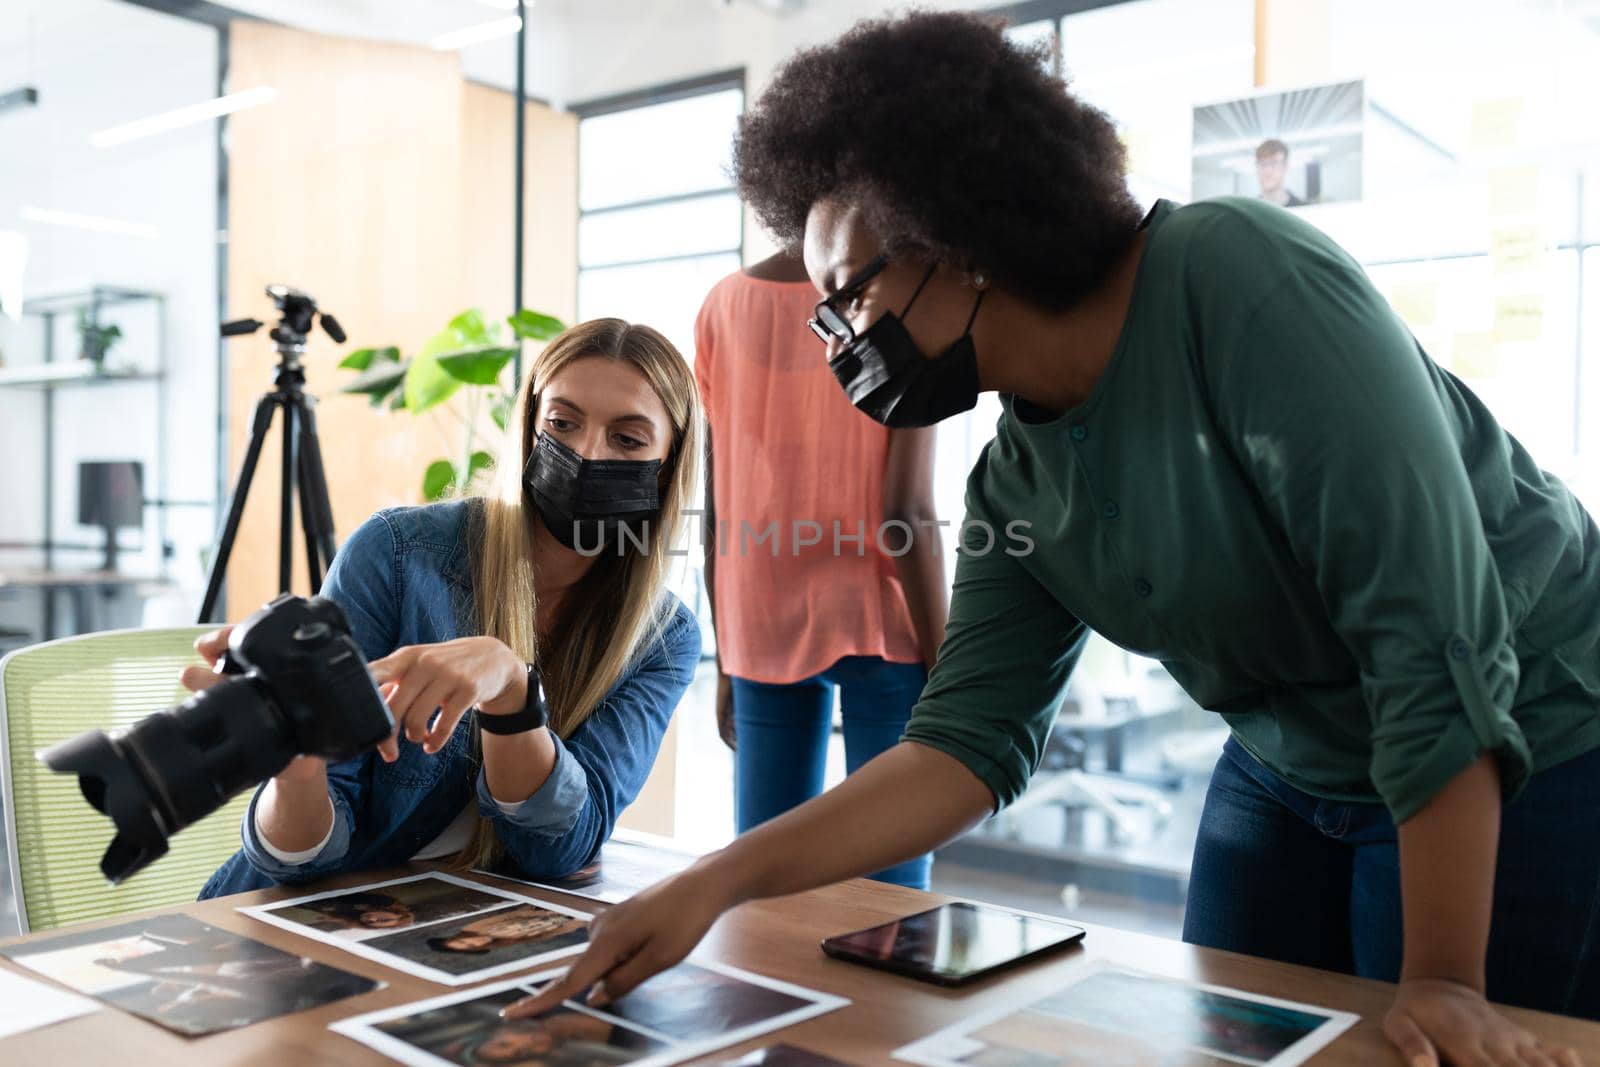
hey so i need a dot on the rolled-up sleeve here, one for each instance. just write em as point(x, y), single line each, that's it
point(1008, 652)
point(601, 766)
point(1334, 414)
point(324, 861)
point(553, 808)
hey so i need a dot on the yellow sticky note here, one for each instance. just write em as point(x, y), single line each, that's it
point(1496, 124)
point(1518, 317)
point(1473, 355)
point(1416, 302)
point(1513, 191)
point(1139, 145)
point(1513, 249)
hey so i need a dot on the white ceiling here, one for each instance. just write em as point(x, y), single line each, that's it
point(584, 49)
point(579, 49)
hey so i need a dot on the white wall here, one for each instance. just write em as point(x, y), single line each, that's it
point(98, 63)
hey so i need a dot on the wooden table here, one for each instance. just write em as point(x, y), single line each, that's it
point(777, 938)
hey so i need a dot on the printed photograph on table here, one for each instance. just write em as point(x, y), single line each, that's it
point(689, 1011)
point(472, 1032)
point(783, 1056)
point(1293, 148)
point(486, 932)
point(496, 942)
point(180, 973)
point(360, 914)
point(1112, 1016)
point(622, 869)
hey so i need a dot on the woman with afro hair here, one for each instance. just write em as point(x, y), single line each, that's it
point(1224, 451)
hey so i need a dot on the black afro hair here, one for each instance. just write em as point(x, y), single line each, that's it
point(956, 144)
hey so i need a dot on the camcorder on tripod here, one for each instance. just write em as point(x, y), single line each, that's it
point(302, 453)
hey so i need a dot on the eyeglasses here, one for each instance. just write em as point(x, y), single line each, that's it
point(827, 321)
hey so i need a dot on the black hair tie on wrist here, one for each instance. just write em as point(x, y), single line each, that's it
point(534, 714)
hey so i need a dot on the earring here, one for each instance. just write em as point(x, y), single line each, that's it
point(980, 280)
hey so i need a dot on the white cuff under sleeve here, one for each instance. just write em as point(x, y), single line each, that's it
point(304, 855)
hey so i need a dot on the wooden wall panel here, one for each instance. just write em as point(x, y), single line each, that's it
point(348, 186)
point(550, 197)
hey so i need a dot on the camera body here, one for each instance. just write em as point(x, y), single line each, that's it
point(298, 686)
point(299, 312)
point(301, 653)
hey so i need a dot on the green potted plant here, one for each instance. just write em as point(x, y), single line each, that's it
point(468, 354)
point(95, 339)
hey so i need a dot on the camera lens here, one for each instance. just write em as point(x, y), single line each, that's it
point(307, 692)
point(175, 767)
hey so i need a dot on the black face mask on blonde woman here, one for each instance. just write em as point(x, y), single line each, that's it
point(587, 503)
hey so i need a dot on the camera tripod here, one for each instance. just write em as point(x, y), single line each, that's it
point(302, 454)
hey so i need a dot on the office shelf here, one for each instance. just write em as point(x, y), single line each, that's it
point(54, 373)
point(78, 372)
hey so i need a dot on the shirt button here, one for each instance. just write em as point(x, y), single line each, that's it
point(1459, 649)
point(1142, 587)
point(1111, 509)
point(1079, 432)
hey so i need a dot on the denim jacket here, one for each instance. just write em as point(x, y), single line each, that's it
point(404, 578)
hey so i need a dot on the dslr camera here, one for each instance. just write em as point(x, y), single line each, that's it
point(300, 687)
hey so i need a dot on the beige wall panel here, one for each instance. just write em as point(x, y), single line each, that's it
point(550, 184)
point(348, 185)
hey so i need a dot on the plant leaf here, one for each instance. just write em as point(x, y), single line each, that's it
point(480, 366)
point(532, 325)
point(480, 461)
point(362, 358)
point(427, 383)
point(501, 411)
point(438, 479)
point(472, 330)
point(377, 381)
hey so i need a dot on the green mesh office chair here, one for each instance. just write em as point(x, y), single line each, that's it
point(50, 692)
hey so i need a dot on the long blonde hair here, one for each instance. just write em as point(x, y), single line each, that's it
point(616, 609)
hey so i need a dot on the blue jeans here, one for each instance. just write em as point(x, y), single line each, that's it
point(1282, 874)
point(782, 733)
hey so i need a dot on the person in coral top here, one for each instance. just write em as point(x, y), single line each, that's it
point(821, 557)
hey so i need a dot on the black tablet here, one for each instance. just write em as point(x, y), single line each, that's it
point(953, 944)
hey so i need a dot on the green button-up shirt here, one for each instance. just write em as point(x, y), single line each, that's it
point(1323, 536)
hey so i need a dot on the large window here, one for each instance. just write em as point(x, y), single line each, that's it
point(659, 222)
point(1477, 177)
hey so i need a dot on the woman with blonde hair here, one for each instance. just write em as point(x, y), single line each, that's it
point(535, 617)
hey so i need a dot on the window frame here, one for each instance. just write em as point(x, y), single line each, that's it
point(666, 93)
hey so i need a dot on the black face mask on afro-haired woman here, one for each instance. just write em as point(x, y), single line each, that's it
point(887, 377)
point(588, 502)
